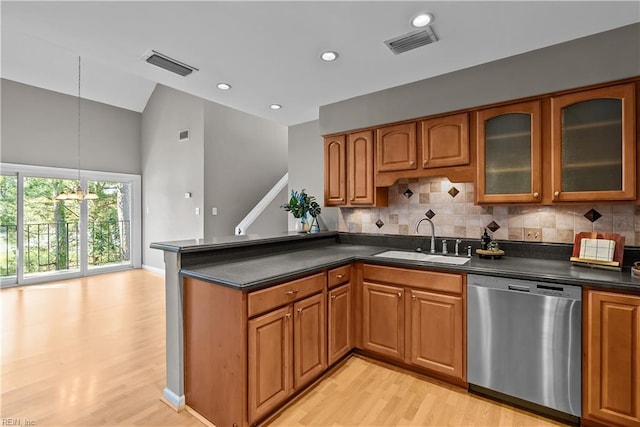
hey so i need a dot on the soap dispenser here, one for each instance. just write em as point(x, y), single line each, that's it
point(485, 240)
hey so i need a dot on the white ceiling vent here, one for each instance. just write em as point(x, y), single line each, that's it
point(411, 40)
point(169, 64)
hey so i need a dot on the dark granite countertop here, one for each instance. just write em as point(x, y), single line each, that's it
point(226, 242)
point(262, 271)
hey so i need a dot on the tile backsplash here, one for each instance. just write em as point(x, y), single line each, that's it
point(455, 215)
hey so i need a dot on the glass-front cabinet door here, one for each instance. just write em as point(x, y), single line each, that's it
point(593, 145)
point(509, 146)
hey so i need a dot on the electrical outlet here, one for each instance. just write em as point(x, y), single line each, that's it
point(197, 211)
point(214, 211)
point(533, 235)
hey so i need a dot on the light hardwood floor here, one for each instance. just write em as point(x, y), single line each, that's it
point(366, 393)
point(90, 352)
point(87, 352)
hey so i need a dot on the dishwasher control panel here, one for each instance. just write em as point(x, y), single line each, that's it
point(527, 286)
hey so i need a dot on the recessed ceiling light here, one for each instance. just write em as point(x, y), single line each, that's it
point(275, 106)
point(224, 86)
point(329, 56)
point(422, 20)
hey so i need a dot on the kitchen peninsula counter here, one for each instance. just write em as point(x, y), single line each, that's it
point(249, 263)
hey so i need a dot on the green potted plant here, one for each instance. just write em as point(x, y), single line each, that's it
point(300, 203)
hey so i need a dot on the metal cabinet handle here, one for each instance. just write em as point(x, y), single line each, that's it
point(424, 163)
point(412, 163)
point(339, 276)
point(399, 294)
point(292, 292)
point(557, 193)
point(333, 297)
point(300, 310)
point(536, 195)
point(413, 297)
point(288, 315)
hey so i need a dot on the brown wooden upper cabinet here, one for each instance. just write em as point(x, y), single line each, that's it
point(335, 170)
point(509, 153)
point(445, 141)
point(396, 147)
point(349, 171)
point(593, 145)
point(360, 156)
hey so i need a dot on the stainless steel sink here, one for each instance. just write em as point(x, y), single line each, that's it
point(419, 256)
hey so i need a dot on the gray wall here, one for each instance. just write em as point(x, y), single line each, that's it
point(40, 127)
point(230, 162)
point(306, 168)
point(603, 57)
point(244, 157)
point(170, 169)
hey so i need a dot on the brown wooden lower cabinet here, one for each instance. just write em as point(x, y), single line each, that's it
point(287, 349)
point(339, 322)
point(270, 361)
point(246, 353)
point(437, 332)
point(416, 316)
point(309, 340)
point(383, 319)
point(611, 366)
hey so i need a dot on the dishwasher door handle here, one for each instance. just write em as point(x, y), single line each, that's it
point(519, 288)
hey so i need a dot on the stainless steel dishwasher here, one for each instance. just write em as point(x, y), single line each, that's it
point(524, 340)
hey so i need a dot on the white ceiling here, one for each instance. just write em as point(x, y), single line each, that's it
point(269, 51)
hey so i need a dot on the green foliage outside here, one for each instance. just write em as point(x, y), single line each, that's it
point(51, 228)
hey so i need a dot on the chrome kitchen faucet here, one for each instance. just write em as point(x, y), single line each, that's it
point(433, 233)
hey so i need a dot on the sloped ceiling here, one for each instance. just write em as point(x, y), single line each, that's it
point(269, 51)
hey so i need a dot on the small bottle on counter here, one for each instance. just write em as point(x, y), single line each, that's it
point(485, 240)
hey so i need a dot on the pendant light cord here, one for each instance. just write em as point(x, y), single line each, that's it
point(79, 101)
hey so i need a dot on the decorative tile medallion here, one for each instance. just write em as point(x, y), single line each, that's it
point(593, 215)
point(493, 226)
point(408, 193)
point(379, 223)
point(453, 191)
point(429, 214)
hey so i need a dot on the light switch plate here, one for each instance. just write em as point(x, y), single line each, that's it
point(197, 211)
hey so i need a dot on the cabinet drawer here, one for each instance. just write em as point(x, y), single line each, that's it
point(267, 299)
point(420, 279)
point(338, 276)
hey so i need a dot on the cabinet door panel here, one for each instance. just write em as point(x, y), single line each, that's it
point(335, 171)
point(445, 141)
point(612, 359)
point(360, 168)
point(383, 319)
point(509, 153)
point(310, 351)
point(396, 148)
point(436, 332)
point(270, 354)
point(593, 145)
point(339, 322)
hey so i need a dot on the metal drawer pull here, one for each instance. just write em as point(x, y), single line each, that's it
point(292, 292)
point(339, 276)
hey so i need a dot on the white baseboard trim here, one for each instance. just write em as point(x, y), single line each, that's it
point(153, 269)
point(173, 400)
